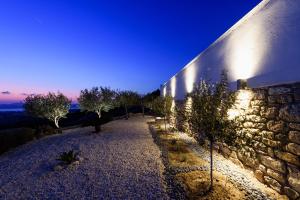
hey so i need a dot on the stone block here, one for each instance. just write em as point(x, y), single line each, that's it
point(259, 175)
point(267, 134)
point(294, 126)
point(273, 184)
point(280, 137)
point(260, 95)
point(294, 177)
point(294, 136)
point(273, 163)
point(271, 143)
point(277, 176)
point(257, 103)
point(292, 194)
point(262, 168)
point(288, 157)
point(276, 126)
point(270, 113)
point(255, 118)
point(293, 148)
point(279, 90)
point(290, 113)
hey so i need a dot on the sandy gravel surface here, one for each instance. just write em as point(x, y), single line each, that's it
point(122, 162)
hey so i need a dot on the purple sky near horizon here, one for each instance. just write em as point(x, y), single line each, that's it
point(67, 46)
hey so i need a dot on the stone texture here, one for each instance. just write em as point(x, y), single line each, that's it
point(267, 134)
point(273, 183)
point(292, 194)
point(277, 176)
point(270, 113)
point(294, 136)
point(288, 157)
point(271, 143)
point(290, 113)
point(294, 126)
point(293, 148)
point(273, 163)
point(279, 90)
point(262, 168)
point(294, 177)
point(276, 126)
point(259, 175)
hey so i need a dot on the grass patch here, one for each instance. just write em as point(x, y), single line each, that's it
point(196, 183)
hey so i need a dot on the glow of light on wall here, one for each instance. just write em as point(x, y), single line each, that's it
point(173, 86)
point(245, 51)
point(241, 104)
point(164, 91)
point(189, 77)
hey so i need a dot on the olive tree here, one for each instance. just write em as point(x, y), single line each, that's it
point(128, 98)
point(162, 106)
point(208, 114)
point(96, 100)
point(51, 106)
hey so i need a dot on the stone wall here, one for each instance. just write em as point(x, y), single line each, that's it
point(269, 136)
point(269, 139)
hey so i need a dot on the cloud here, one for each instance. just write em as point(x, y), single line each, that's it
point(6, 92)
point(26, 94)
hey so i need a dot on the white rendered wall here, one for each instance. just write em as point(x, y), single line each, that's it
point(263, 47)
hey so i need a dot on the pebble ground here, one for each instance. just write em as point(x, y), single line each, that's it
point(121, 162)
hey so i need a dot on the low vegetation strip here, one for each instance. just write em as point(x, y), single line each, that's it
point(187, 171)
point(121, 162)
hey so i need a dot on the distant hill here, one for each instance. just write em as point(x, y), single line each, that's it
point(20, 106)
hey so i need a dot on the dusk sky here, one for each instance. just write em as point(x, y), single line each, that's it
point(69, 45)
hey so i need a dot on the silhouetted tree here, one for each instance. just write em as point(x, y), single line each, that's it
point(51, 106)
point(128, 98)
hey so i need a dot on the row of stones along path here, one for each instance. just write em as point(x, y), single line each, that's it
point(122, 162)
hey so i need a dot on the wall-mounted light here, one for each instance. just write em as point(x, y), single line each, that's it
point(242, 84)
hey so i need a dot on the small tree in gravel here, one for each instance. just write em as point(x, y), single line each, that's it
point(51, 106)
point(97, 100)
point(208, 114)
point(128, 98)
point(162, 106)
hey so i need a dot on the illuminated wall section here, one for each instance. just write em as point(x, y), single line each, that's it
point(262, 47)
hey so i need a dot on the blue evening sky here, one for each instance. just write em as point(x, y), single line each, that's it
point(68, 45)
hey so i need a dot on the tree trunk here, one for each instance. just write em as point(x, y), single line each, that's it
point(143, 108)
point(97, 123)
point(165, 123)
point(126, 112)
point(56, 122)
point(211, 164)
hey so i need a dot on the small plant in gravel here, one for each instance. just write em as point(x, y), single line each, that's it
point(68, 157)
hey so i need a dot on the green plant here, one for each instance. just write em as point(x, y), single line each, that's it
point(163, 106)
point(208, 114)
point(51, 106)
point(97, 100)
point(68, 157)
point(128, 98)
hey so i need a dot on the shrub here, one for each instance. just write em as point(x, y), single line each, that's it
point(10, 138)
point(68, 157)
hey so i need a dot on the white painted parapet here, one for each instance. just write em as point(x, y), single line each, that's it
point(263, 47)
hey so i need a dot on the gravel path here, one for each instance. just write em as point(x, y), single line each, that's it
point(121, 162)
